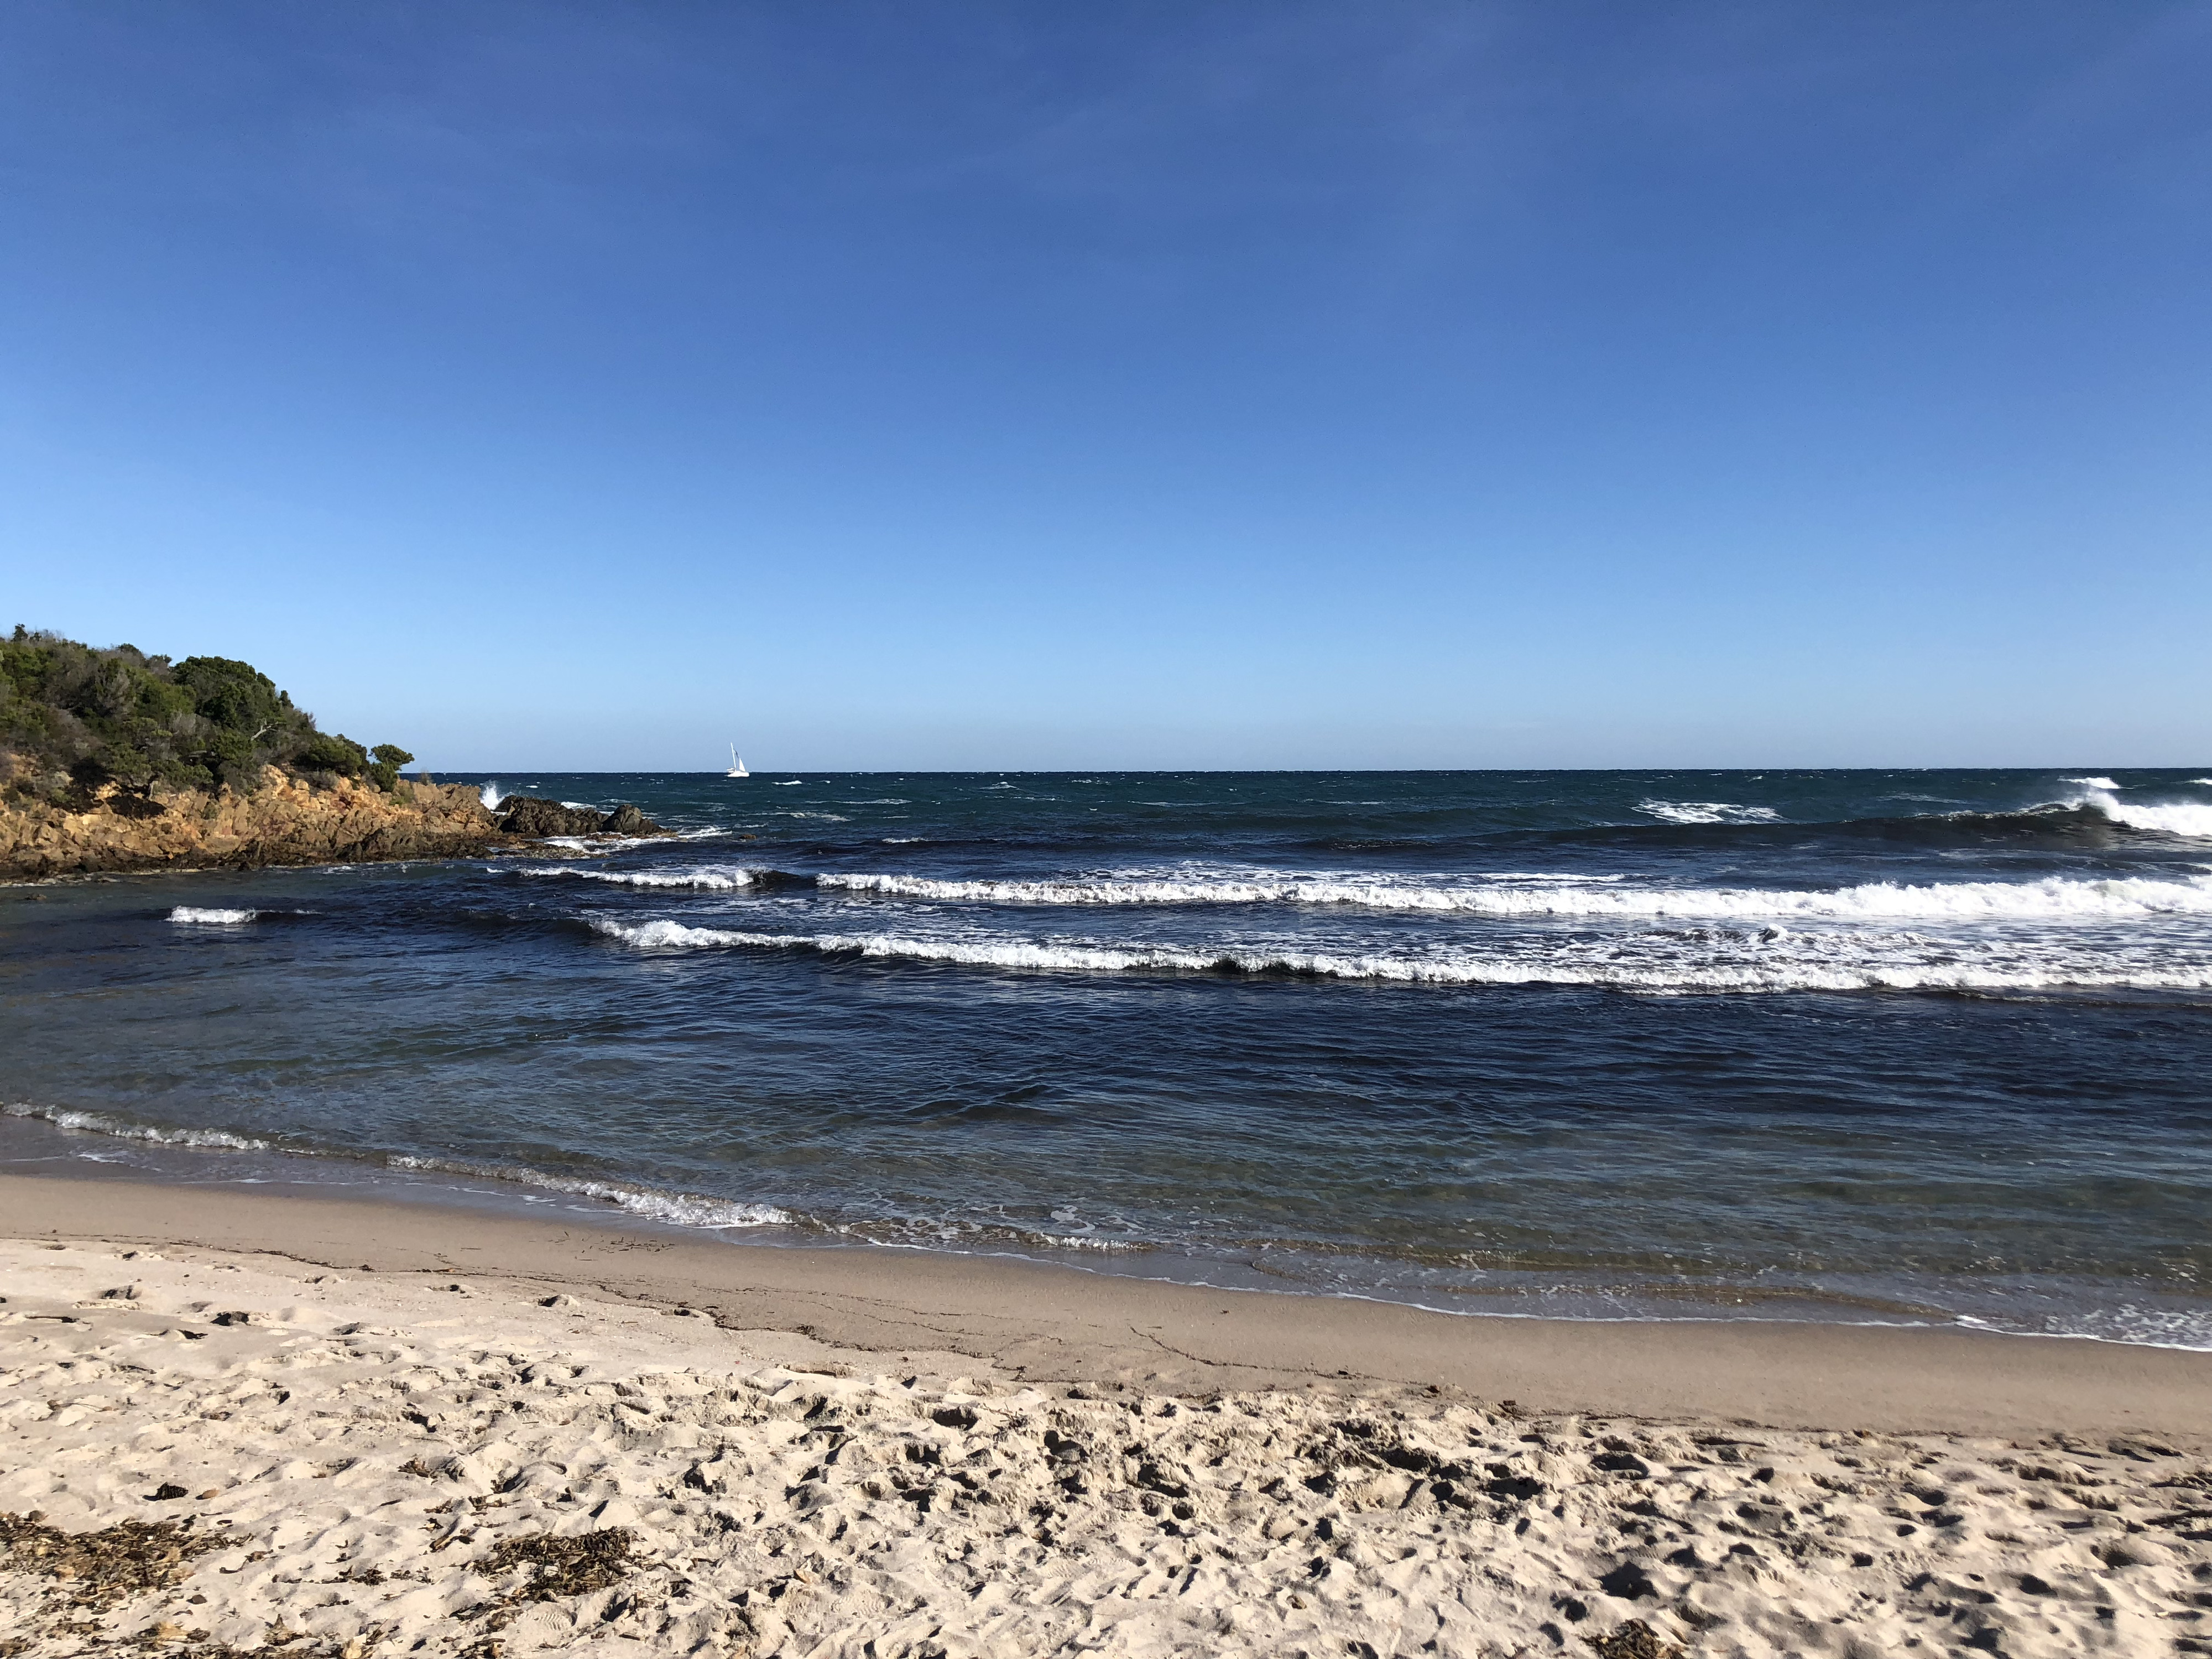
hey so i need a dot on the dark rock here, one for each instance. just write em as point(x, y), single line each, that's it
point(527, 816)
point(627, 820)
point(537, 820)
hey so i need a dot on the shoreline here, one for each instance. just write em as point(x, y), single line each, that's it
point(1056, 1324)
point(244, 1424)
point(199, 1157)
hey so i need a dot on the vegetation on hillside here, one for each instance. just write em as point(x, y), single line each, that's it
point(75, 717)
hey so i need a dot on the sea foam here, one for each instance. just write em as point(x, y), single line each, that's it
point(1766, 962)
point(1707, 812)
point(2053, 899)
point(100, 1123)
point(2186, 819)
point(656, 1204)
point(710, 877)
point(196, 915)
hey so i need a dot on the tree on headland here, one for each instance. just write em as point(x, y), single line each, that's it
point(74, 719)
point(385, 759)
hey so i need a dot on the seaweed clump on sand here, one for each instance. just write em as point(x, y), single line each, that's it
point(567, 1566)
point(101, 1569)
point(1635, 1640)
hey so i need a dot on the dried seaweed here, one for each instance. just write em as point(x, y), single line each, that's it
point(99, 1569)
point(1635, 1640)
point(567, 1566)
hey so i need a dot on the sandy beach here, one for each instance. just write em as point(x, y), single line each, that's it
point(238, 1422)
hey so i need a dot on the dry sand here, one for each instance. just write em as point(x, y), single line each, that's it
point(234, 1437)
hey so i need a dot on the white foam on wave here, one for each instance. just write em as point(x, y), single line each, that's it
point(2187, 818)
point(2053, 899)
point(490, 796)
point(199, 917)
point(2189, 1329)
point(1544, 875)
point(2093, 783)
point(832, 818)
point(680, 1209)
point(1707, 812)
point(100, 1123)
point(1801, 962)
point(710, 877)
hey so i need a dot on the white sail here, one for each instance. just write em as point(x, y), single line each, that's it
point(737, 765)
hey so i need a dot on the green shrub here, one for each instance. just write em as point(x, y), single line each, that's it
point(141, 721)
point(390, 757)
point(235, 696)
point(328, 751)
point(230, 756)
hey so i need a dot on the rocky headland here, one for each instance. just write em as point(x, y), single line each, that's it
point(286, 821)
point(114, 760)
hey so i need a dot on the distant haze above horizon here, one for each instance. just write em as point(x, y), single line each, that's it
point(944, 387)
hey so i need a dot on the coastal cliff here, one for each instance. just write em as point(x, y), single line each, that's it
point(286, 820)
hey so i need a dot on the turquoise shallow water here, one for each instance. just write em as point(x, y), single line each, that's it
point(1913, 1046)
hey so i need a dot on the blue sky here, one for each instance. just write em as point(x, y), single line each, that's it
point(914, 385)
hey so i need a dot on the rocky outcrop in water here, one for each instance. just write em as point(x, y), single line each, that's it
point(627, 820)
point(286, 821)
point(533, 819)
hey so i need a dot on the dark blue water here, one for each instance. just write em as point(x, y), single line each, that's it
point(1899, 1046)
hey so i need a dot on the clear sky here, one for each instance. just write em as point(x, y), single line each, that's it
point(917, 385)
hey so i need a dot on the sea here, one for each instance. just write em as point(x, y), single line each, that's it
point(1892, 1048)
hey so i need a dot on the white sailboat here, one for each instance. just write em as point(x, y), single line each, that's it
point(737, 765)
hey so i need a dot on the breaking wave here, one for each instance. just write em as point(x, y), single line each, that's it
point(2186, 819)
point(2054, 899)
point(490, 796)
point(713, 877)
point(196, 915)
point(1707, 812)
point(1749, 962)
point(63, 1117)
point(679, 1209)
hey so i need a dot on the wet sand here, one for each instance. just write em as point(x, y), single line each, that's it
point(399, 1428)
